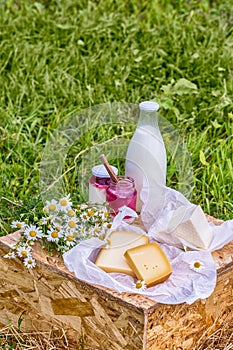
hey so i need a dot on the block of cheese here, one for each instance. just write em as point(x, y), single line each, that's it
point(149, 263)
point(195, 229)
point(111, 258)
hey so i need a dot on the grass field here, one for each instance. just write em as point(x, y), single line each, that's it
point(58, 58)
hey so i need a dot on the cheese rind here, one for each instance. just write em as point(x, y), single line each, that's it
point(149, 263)
point(195, 229)
point(111, 258)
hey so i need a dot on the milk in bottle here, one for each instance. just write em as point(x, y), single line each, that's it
point(146, 162)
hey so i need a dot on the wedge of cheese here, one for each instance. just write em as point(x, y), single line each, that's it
point(111, 258)
point(149, 263)
point(194, 229)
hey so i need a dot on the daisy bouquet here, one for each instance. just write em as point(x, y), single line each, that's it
point(61, 228)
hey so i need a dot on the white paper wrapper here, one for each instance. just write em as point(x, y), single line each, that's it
point(172, 214)
point(184, 285)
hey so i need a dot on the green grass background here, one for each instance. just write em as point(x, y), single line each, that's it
point(60, 57)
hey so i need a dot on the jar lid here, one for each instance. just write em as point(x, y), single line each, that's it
point(100, 171)
point(149, 106)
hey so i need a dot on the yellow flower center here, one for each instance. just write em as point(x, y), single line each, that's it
point(102, 236)
point(138, 284)
point(105, 214)
point(24, 253)
point(54, 234)
point(109, 225)
point(29, 262)
point(90, 213)
point(84, 217)
point(72, 224)
point(70, 238)
point(96, 230)
point(32, 233)
point(19, 225)
point(52, 207)
point(64, 202)
point(71, 212)
point(197, 264)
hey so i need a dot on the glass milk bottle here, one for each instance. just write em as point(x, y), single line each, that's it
point(146, 162)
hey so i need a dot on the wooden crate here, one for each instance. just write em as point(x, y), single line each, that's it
point(51, 297)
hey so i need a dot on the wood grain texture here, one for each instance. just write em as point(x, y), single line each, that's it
point(51, 297)
point(181, 326)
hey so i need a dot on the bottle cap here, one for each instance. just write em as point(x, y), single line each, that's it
point(100, 171)
point(149, 106)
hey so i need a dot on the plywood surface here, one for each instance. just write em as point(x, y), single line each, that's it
point(222, 257)
point(50, 296)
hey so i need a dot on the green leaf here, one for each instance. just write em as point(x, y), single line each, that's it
point(202, 158)
point(216, 125)
point(216, 93)
point(184, 87)
point(167, 89)
point(167, 103)
point(138, 59)
point(20, 320)
point(80, 42)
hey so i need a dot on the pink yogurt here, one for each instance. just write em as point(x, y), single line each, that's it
point(121, 193)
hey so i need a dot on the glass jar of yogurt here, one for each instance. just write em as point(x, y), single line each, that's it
point(121, 193)
point(98, 183)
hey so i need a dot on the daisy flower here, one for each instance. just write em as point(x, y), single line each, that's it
point(91, 213)
point(10, 255)
point(51, 207)
point(56, 221)
point(61, 225)
point(102, 236)
point(82, 231)
point(197, 265)
point(32, 232)
point(18, 224)
point(104, 215)
point(29, 262)
point(96, 230)
point(70, 239)
point(83, 206)
point(140, 285)
point(46, 220)
point(107, 225)
point(84, 217)
point(58, 228)
point(65, 203)
point(71, 213)
point(71, 224)
point(53, 235)
point(186, 249)
point(107, 243)
point(24, 251)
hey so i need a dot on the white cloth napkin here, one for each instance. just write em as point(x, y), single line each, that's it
point(184, 285)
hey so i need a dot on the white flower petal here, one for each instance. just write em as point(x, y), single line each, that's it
point(197, 266)
point(32, 232)
point(29, 262)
